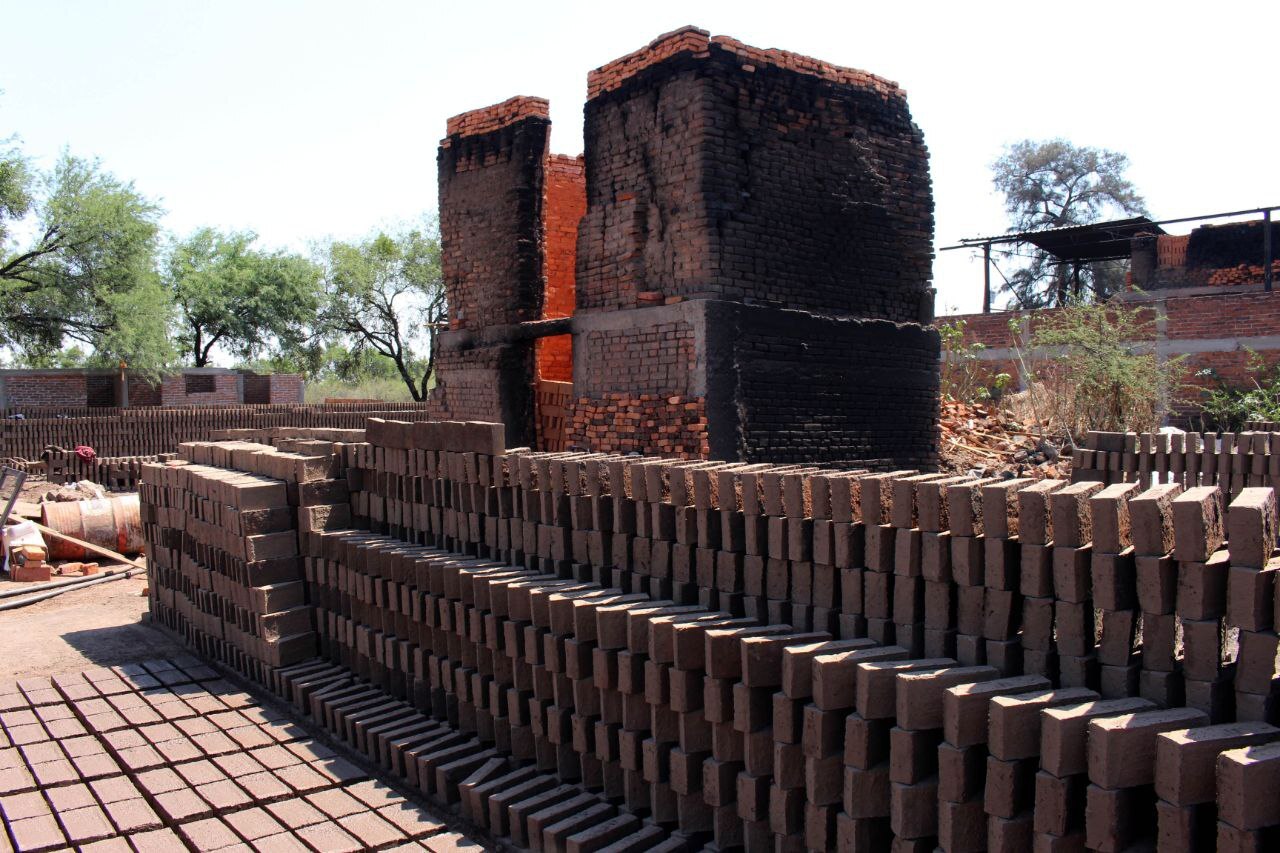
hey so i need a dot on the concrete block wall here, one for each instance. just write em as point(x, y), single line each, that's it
point(751, 655)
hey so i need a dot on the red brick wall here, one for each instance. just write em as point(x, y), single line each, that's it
point(566, 201)
point(46, 390)
point(1216, 332)
point(286, 388)
point(173, 391)
point(142, 392)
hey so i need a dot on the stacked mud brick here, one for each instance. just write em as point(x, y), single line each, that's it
point(222, 526)
point(146, 432)
point(1230, 460)
point(590, 651)
point(766, 306)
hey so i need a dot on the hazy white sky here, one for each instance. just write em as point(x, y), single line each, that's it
point(304, 119)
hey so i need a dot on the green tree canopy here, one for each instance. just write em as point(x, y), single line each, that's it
point(77, 249)
point(1052, 184)
point(385, 294)
point(247, 300)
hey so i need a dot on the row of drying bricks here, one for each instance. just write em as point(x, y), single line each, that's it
point(821, 682)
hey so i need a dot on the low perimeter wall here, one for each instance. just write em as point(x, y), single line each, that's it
point(148, 432)
point(1214, 331)
point(594, 650)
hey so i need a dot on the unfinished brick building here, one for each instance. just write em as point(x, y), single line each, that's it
point(751, 257)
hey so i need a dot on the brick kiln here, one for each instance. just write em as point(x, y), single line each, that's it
point(751, 253)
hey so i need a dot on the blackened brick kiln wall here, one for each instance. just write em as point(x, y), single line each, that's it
point(717, 170)
point(491, 170)
point(821, 389)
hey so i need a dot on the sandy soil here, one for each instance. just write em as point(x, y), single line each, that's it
point(103, 625)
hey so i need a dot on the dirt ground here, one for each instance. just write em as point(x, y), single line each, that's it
point(102, 625)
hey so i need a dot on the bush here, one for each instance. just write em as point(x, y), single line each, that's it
point(1098, 369)
point(1229, 408)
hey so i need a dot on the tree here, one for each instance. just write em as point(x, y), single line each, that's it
point(1053, 184)
point(386, 294)
point(86, 273)
point(246, 300)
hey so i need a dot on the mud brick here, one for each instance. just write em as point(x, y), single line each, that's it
point(1113, 581)
point(939, 607)
point(1202, 587)
point(1008, 787)
point(965, 706)
point(962, 826)
point(1163, 688)
point(875, 690)
point(1185, 758)
point(752, 707)
point(1214, 697)
point(913, 755)
point(1256, 661)
point(1198, 524)
point(960, 772)
point(1151, 519)
point(1157, 582)
point(1064, 732)
point(920, 694)
point(857, 835)
point(1252, 527)
point(822, 731)
point(823, 779)
point(798, 664)
point(913, 809)
point(722, 655)
point(762, 656)
point(1202, 649)
point(908, 600)
point(1069, 507)
point(1071, 573)
point(1035, 517)
point(1000, 612)
point(1122, 748)
point(1158, 634)
point(1117, 630)
point(878, 595)
point(964, 507)
point(833, 684)
point(786, 810)
point(866, 742)
point(1037, 623)
point(1060, 803)
point(1002, 564)
point(719, 782)
point(932, 505)
point(849, 544)
point(1036, 570)
point(879, 547)
point(1251, 595)
point(1116, 818)
point(1074, 624)
point(1109, 515)
point(970, 609)
point(1008, 835)
point(1248, 782)
point(1000, 508)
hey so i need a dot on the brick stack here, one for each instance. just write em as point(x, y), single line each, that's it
point(222, 526)
point(1230, 460)
point(692, 652)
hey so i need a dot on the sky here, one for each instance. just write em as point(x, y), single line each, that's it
point(304, 119)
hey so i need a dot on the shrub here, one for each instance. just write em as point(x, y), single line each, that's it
point(1096, 367)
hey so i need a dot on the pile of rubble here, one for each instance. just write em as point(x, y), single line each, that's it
point(989, 441)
